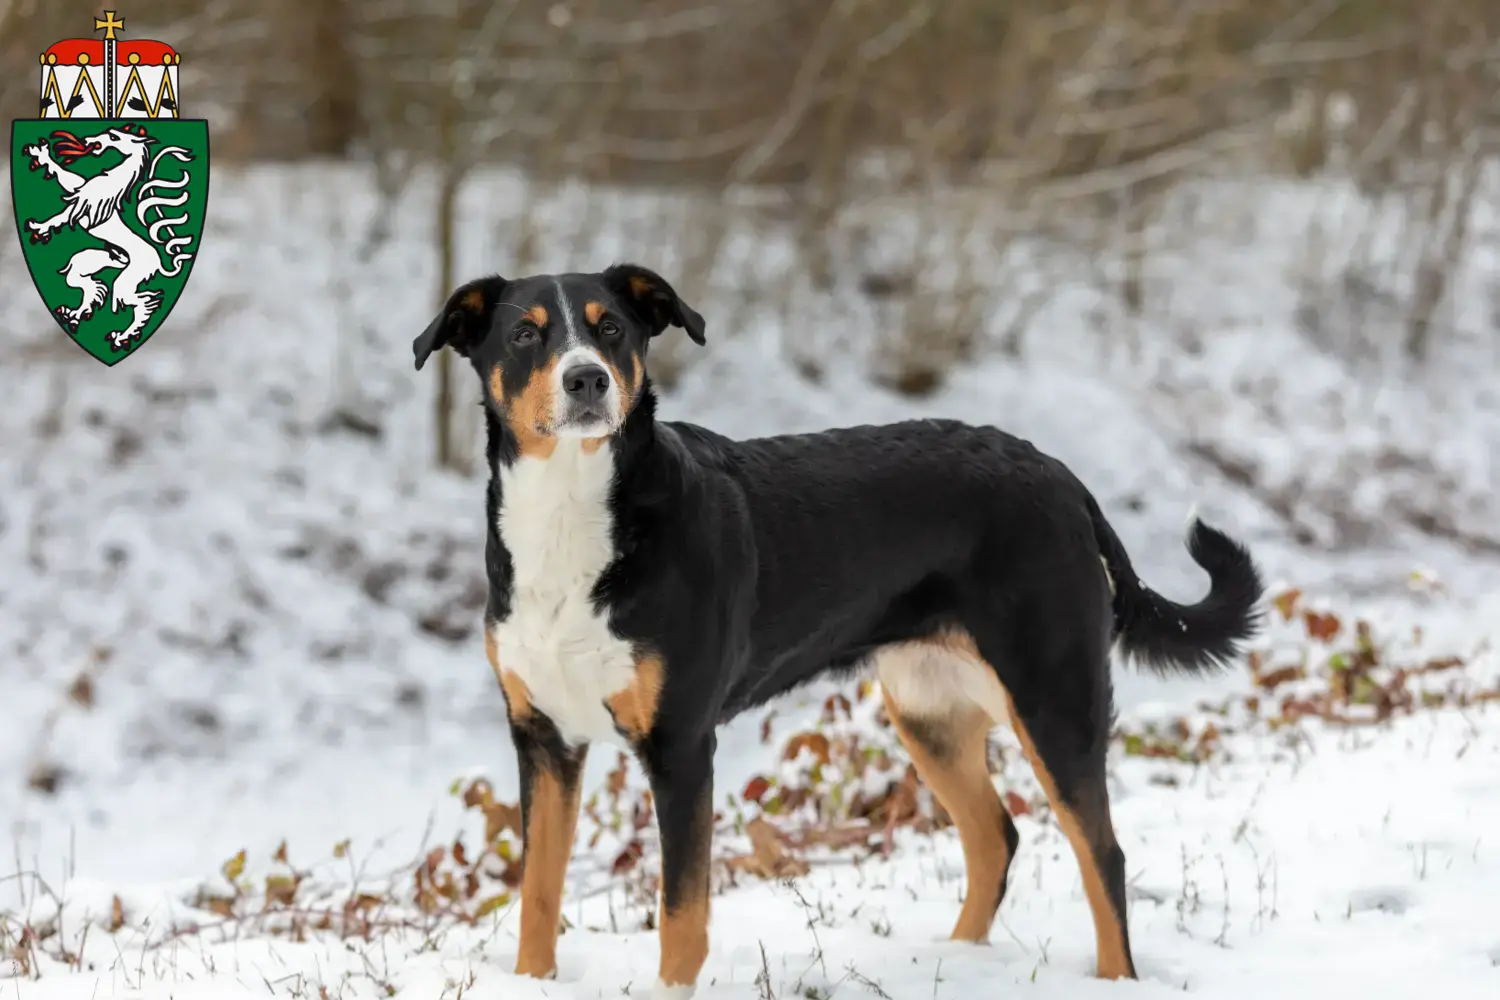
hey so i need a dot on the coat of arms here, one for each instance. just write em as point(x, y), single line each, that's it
point(110, 186)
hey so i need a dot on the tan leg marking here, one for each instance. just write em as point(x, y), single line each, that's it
point(634, 705)
point(684, 928)
point(1113, 955)
point(517, 695)
point(956, 768)
point(550, 827)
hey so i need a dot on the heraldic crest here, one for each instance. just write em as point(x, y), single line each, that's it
point(110, 187)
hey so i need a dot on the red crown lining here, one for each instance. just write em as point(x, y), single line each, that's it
point(151, 52)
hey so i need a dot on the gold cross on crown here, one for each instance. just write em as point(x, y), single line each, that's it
point(108, 24)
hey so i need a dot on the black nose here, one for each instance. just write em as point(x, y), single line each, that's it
point(586, 383)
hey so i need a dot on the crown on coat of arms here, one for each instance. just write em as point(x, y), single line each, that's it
point(109, 78)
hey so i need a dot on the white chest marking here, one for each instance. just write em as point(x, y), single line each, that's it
point(554, 519)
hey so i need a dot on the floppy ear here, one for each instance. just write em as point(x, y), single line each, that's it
point(653, 299)
point(463, 321)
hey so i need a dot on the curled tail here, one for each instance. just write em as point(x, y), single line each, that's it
point(1166, 637)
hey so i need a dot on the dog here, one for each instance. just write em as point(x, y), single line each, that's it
point(651, 580)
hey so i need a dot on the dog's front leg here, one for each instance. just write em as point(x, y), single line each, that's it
point(681, 775)
point(550, 775)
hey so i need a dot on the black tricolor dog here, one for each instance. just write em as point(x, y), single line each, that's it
point(651, 580)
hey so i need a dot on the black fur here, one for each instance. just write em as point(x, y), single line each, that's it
point(804, 553)
point(755, 566)
point(1166, 637)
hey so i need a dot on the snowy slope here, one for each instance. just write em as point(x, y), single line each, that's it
point(237, 538)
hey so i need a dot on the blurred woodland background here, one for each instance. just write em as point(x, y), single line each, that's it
point(1076, 122)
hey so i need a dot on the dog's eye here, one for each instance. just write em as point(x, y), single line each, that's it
point(525, 335)
point(609, 328)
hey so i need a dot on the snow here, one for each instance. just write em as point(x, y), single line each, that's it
point(1244, 883)
point(239, 540)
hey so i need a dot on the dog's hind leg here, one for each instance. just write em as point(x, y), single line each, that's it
point(1070, 766)
point(932, 692)
point(1055, 667)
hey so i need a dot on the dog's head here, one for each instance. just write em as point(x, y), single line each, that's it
point(560, 355)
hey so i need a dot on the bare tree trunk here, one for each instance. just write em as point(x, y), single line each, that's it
point(333, 117)
point(449, 177)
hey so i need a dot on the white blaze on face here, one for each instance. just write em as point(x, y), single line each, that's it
point(576, 352)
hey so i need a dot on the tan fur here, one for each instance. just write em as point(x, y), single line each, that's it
point(593, 312)
point(959, 776)
point(530, 413)
point(1113, 957)
point(551, 823)
point(684, 928)
point(634, 706)
point(614, 372)
point(638, 375)
point(492, 653)
point(517, 696)
point(474, 301)
point(537, 315)
point(640, 287)
point(630, 388)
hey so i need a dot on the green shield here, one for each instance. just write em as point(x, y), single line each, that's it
point(110, 215)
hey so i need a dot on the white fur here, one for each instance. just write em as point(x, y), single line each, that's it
point(664, 992)
point(570, 322)
point(576, 352)
point(554, 519)
point(932, 681)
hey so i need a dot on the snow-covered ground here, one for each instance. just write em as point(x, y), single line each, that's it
point(237, 605)
point(1297, 860)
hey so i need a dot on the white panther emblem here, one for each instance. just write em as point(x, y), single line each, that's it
point(94, 204)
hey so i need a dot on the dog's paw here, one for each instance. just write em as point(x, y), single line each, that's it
point(663, 991)
point(549, 976)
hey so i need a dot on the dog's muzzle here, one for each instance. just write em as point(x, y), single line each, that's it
point(588, 399)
